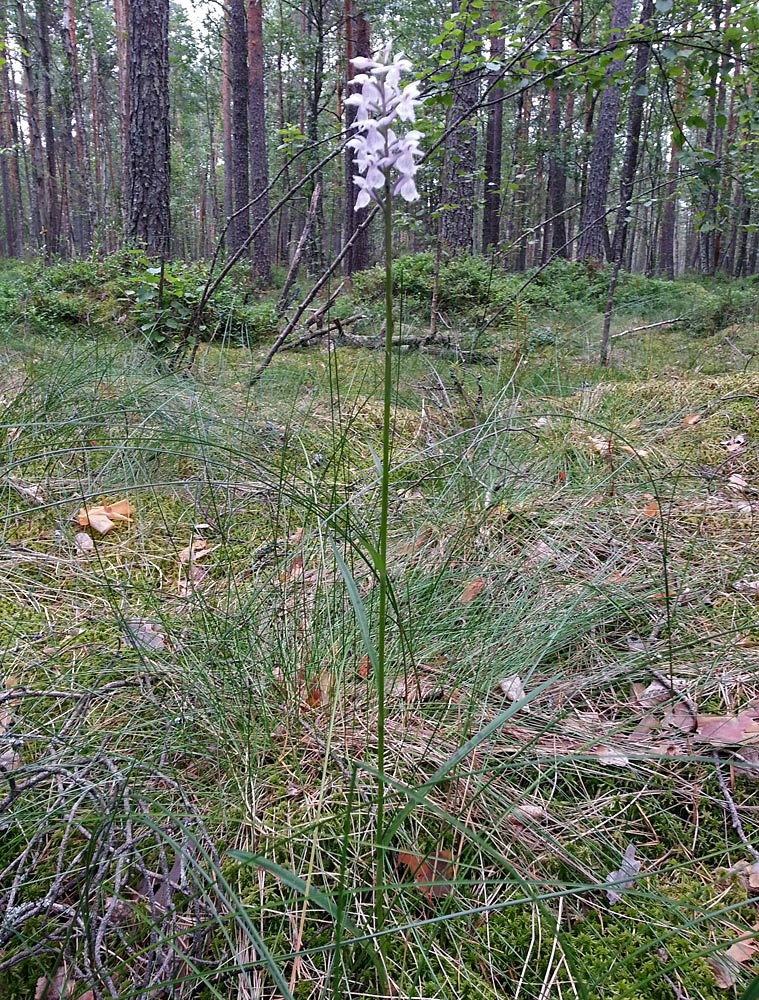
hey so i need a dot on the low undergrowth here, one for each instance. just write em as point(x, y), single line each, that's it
point(188, 724)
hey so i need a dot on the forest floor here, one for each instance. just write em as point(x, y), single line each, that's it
point(574, 565)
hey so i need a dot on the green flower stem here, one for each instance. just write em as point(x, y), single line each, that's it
point(382, 566)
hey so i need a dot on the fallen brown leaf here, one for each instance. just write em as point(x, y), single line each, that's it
point(634, 452)
point(145, 635)
point(602, 446)
point(529, 812)
point(611, 757)
point(472, 590)
point(726, 968)
point(319, 690)
point(719, 730)
point(738, 483)
point(104, 517)
point(431, 874)
point(512, 687)
point(196, 550)
point(653, 695)
point(83, 544)
point(749, 587)
point(58, 987)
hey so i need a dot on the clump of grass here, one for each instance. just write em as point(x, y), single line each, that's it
point(138, 769)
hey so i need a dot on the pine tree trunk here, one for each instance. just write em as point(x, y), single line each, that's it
point(461, 159)
point(491, 216)
point(666, 254)
point(95, 116)
point(593, 220)
point(238, 41)
point(9, 169)
point(226, 123)
point(148, 141)
point(52, 222)
point(314, 12)
point(38, 186)
point(259, 168)
point(516, 234)
point(557, 176)
point(706, 231)
point(83, 171)
point(629, 168)
point(356, 44)
point(121, 11)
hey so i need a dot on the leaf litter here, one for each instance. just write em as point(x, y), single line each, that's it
point(104, 517)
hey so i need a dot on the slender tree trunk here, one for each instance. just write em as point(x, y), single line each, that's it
point(461, 158)
point(238, 40)
point(95, 108)
point(148, 145)
point(38, 187)
point(593, 220)
point(52, 222)
point(121, 16)
point(517, 236)
point(708, 248)
point(283, 219)
point(9, 170)
point(356, 44)
point(557, 174)
point(666, 254)
point(84, 174)
point(226, 121)
point(314, 13)
point(740, 259)
point(259, 169)
point(629, 168)
point(491, 216)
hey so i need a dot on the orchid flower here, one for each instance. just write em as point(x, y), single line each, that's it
point(379, 150)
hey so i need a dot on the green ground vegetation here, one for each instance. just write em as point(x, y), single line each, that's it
point(187, 717)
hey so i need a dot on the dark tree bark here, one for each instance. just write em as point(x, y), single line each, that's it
point(259, 169)
point(95, 113)
point(666, 251)
point(593, 220)
point(148, 144)
point(460, 165)
point(238, 43)
point(9, 172)
point(491, 216)
point(120, 11)
point(356, 44)
point(226, 123)
point(516, 235)
point(629, 168)
point(85, 198)
point(314, 23)
point(557, 175)
point(38, 187)
point(52, 222)
point(710, 234)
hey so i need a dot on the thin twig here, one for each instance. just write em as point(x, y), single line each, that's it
point(731, 808)
point(649, 326)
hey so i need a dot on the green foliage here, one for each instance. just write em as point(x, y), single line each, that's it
point(473, 287)
point(128, 291)
point(162, 304)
